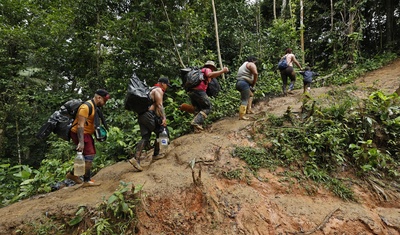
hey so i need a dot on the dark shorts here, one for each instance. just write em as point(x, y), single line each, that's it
point(306, 83)
point(89, 149)
point(149, 122)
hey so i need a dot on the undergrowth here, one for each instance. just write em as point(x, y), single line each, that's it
point(344, 134)
point(116, 215)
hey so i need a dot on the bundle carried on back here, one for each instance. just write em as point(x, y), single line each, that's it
point(138, 97)
point(193, 76)
point(60, 122)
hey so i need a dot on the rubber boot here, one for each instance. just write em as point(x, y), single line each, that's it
point(86, 178)
point(198, 120)
point(242, 112)
point(187, 108)
point(249, 104)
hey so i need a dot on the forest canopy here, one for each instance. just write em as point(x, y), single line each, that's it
point(52, 51)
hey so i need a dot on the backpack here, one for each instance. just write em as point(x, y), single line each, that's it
point(213, 88)
point(60, 122)
point(282, 64)
point(138, 96)
point(191, 77)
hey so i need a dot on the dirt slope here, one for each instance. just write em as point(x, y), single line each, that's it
point(263, 205)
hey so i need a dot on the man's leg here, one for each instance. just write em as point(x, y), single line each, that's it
point(203, 103)
point(87, 182)
point(135, 160)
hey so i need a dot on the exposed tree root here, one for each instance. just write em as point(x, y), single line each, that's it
point(319, 226)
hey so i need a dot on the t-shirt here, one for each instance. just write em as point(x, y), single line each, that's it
point(203, 85)
point(89, 125)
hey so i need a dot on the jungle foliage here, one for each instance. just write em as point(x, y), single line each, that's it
point(52, 51)
point(344, 135)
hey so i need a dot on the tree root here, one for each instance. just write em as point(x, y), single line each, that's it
point(319, 226)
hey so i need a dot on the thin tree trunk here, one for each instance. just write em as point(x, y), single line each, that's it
point(274, 9)
point(217, 37)
point(302, 30)
point(18, 143)
point(258, 19)
point(172, 35)
point(98, 47)
point(389, 22)
point(283, 9)
point(332, 14)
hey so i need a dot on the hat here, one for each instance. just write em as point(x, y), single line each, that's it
point(164, 80)
point(211, 64)
point(103, 93)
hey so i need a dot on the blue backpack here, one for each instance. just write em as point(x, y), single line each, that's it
point(282, 64)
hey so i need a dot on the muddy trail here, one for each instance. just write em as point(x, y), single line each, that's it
point(175, 199)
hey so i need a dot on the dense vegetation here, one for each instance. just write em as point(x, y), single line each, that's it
point(52, 51)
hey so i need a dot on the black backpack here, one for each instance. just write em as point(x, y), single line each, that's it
point(138, 97)
point(191, 77)
point(213, 88)
point(282, 63)
point(60, 122)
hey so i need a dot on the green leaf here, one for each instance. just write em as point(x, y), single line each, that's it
point(76, 220)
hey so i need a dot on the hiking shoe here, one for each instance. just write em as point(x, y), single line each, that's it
point(159, 156)
point(90, 183)
point(74, 178)
point(135, 164)
point(197, 126)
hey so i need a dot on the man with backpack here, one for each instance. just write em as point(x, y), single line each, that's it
point(81, 133)
point(153, 120)
point(288, 70)
point(198, 95)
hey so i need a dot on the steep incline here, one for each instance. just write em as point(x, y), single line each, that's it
point(173, 204)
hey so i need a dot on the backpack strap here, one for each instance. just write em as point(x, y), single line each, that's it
point(90, 106)
point(98, 115)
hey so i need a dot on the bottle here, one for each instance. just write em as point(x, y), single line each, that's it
point(163, 138)
point(79, 165)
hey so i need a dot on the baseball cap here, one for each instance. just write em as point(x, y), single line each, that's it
point(103, 93)
point(165, 80)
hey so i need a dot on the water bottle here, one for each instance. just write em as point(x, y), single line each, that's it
point(163, 138)
point(79, 165)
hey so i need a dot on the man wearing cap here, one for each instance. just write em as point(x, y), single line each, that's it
point(81, 133)
point(198, 96)
point(154, 120)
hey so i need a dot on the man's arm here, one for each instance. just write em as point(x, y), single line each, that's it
point(253, 69)
point(159, 107)
point(296, 62)
point(81, 128)
point(215, 74)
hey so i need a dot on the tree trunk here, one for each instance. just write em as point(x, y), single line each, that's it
point(389, 22)
point(283, 9)
point(217, 37)
point(332, 14)
point(302, 31)
point(274, 10)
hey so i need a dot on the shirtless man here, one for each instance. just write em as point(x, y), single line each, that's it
point(289, 71)
point(154, 120)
